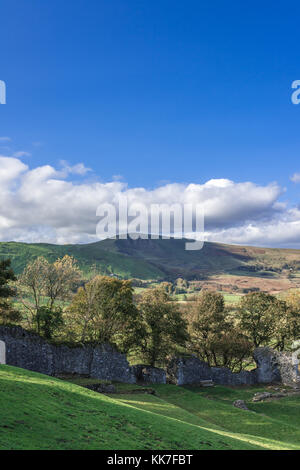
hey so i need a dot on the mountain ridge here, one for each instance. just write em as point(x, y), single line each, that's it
point(159, 259)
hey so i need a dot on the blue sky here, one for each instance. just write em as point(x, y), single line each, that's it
point(155, 92)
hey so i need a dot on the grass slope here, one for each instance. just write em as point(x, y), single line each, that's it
point(103, 255)
point(159, 259)
point(40, 412)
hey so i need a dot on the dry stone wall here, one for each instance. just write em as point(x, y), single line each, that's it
point(29, 351)
point(191, 370)
point(21, 348)
point(272, 366)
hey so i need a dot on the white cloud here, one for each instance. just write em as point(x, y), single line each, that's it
point(5, 139)
point(295, 178)
point(281, 231)
point(10, 171)
point(79, 169)
point(21, 154)
point(42, 205)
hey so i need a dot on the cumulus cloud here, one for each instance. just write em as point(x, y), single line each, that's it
point(281, 231)
point(43, 204)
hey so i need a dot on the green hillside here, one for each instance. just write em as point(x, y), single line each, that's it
point(160, 259)
point(103, 255)
point(40, 412)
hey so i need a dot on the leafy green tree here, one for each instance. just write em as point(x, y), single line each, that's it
point(103, 311)
point(6, 276)
point(257, 317)
point(163, 328)
point(286, 323)
point(231, 349)
point(49, 320)
point(207, 323)
point(7, 313)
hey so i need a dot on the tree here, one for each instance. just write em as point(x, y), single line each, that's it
point(214, 337)
point(61, 277)
point(49, 320)
point(168, 287)
point(181, 286)
point(6, 276)
point(231, 349)
point(103, 311)
point(31, 288)
point(163, 328)
point(292, 298)
point(256, 315)
point(42, 284)
point(7, 313)
point(287, 320)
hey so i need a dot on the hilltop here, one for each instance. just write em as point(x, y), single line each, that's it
point(164, 259)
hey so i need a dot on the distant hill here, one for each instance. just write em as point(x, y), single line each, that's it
point(161, 259)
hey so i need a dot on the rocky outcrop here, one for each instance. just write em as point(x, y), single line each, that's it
point(261, 396)
point(241, 405)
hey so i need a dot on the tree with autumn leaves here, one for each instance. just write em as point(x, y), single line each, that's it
point(42, 289)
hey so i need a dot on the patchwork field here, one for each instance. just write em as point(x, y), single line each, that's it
point(40, 412)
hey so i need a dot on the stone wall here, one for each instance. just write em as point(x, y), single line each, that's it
point(191, 370)
point(187, 370)
point(29, 351)
point(147, 374)
point(272, 366)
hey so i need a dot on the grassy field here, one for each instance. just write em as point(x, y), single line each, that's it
point(40, 412)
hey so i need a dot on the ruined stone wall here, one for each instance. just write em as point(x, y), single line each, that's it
point(191, 370)
point(272, 366)
point(147, 374)
point(29, 351)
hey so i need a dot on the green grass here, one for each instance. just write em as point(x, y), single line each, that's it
point(104, 256)
point(40, 412)
point(231, 299)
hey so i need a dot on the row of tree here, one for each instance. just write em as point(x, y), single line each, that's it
point(53, 301)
